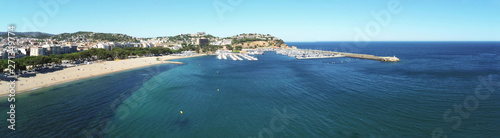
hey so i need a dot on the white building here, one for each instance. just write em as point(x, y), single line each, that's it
point(52, 49)
point(4, 54)
point(227, 42)
point(23, 50)
point(73, 47)
point(176, 47)
point(37, 51)
point(65, 49)
point(100, 45)
point(107, 46)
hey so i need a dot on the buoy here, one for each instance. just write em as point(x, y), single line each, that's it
point(217, 89)
point(181, 112)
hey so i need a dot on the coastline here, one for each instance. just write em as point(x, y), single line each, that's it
point(70, 74)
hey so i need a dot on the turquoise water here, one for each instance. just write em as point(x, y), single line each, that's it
point(279, 96)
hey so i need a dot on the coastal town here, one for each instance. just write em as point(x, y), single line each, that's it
point(82, 47)
point(44, 60)
point(34, 45)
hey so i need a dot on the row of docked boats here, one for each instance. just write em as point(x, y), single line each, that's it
point(235, 56)
point(221, 56)
point(224, 54)
point(248, 57)
point(307, 54)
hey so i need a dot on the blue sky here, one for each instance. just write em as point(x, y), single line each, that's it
point(291, 20)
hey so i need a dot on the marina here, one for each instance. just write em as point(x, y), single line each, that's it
point(299, 54)
point(223, 54)
point(235, 56)
point(313, 54)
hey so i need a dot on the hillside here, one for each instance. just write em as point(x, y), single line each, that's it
point(256, 40)
point(256, 44)
point(91, 36)
point(78, 36)
point(251, 40)
point(28, 34)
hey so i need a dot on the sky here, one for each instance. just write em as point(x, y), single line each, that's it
point(290, 20)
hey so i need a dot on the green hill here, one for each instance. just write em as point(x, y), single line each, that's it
point(91, 36)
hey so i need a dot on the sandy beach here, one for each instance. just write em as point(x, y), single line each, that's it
point(83, 71)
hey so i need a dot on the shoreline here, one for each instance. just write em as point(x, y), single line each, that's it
point(71, 74)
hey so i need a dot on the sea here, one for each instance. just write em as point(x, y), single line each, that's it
point(438, 89)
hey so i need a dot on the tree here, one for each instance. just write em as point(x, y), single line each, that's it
point(229, 47)
point(104, 54)
point(55, 60)
point(3, 64)
point(93, 51)
point(238, 48)
point(91, 54)
point(119, 53)
point(84, 55)
point(154, 51)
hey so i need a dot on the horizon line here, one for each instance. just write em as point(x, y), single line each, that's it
point(293, 41)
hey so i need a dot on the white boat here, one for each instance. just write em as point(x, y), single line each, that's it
point(232, 57)
point(248, 57)
point(237, 57)
point(245, 56)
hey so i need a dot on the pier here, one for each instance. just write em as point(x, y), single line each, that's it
point(372, 57)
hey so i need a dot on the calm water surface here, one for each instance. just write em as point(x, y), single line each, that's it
point(280, 96)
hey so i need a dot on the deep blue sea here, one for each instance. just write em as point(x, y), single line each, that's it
point(439, 88)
